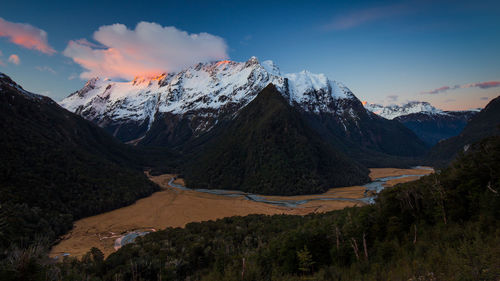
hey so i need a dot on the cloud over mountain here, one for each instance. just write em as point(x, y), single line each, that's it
point(148, 50)
point(26, 35)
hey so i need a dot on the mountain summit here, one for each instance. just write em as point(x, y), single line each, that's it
point(203, 93)
point(393, 111)
point(174, 109)
point(429, 123)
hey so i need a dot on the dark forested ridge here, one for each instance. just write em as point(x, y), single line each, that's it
point(57, 167)
point(442, 227)
point(370, 139)
point(483, 124)
point(432, 128)
point(271, 147)
point(268, 148)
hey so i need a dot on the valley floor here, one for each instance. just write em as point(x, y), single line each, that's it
point(173, 207)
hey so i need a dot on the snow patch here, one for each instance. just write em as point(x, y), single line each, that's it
point(393, 111)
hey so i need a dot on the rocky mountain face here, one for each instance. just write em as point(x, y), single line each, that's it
point(176, 108)
point(430, 124)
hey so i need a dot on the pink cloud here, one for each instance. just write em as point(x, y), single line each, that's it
point(148, 50)
point(438, 90)
point(14, 59)
point(26, 35)
point(360, 17)
point(481, 85)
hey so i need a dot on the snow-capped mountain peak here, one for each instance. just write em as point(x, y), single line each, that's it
point(393, 111)
point(271, 67)
point(205, 90)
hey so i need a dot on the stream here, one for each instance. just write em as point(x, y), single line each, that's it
point(371, 189)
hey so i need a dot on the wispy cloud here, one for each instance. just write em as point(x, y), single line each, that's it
point(26, 35)
point(72, 76)
point(148, 50)
point(45, 69)
point(438, 90)
point(357, 18)
point(481, 85)
point(246, 39)
point(484, 98)
point(393, 98)
point(14, 59)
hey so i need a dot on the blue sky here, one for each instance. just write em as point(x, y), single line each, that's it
point(384, 51)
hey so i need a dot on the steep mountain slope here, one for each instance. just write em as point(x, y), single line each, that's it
point(483, 124)
point(370, 139)
point(268, 148)
point(432, 128)
point(429, 123)
point(57, 167)
point(175, 109)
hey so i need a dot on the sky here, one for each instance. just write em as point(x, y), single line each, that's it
point(386, 52)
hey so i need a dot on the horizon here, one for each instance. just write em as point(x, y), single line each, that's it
point(158, 76)
point(443, 52)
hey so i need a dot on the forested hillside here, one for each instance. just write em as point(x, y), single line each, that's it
point(483, 124)
point(269, 149)
point(57, 167)
point(442, 227)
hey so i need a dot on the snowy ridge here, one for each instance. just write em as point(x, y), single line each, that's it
point(205, 89)
point(393, 111)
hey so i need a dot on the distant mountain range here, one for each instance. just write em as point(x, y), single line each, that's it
point(393, 111)
point(174, 110)
point(429, 123)
point(200, 96)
